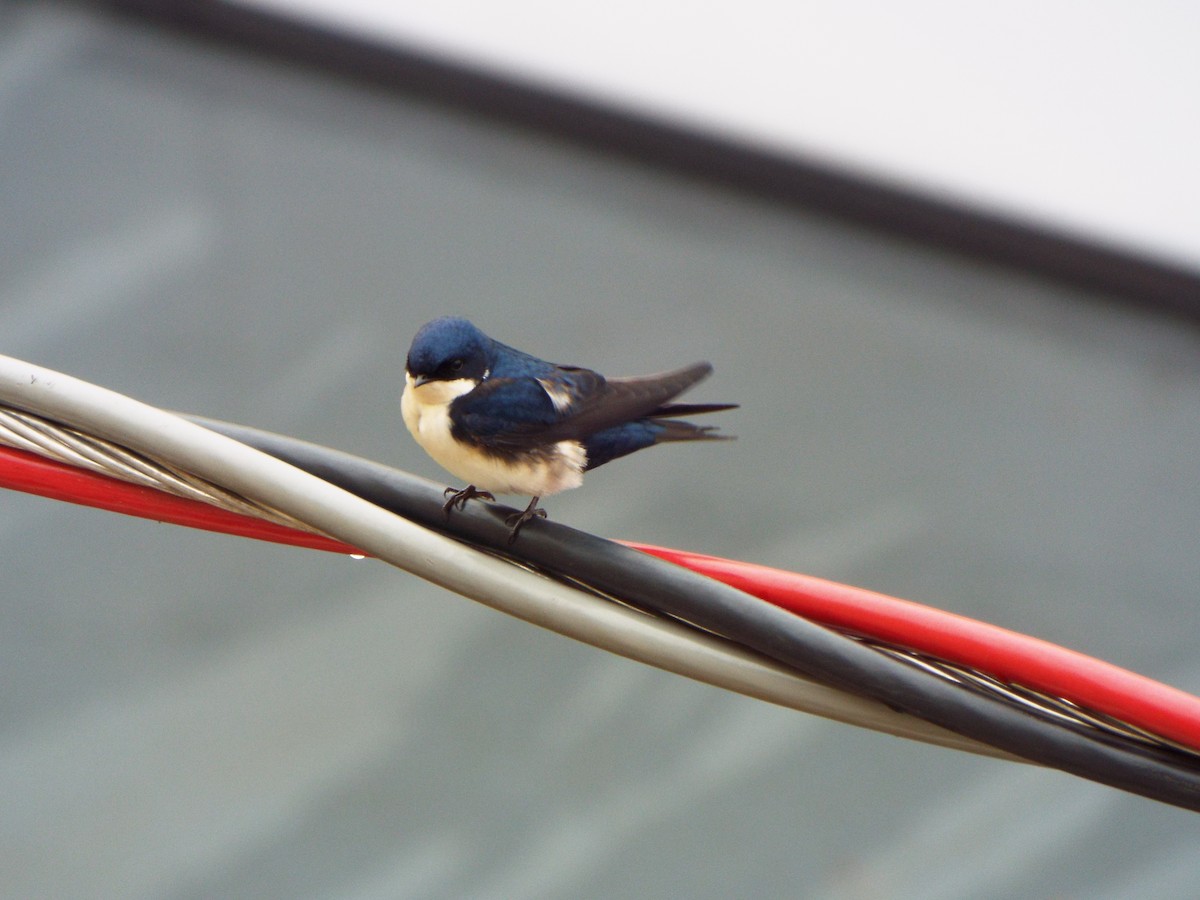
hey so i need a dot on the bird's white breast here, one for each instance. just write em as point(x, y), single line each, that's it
point(426, 411)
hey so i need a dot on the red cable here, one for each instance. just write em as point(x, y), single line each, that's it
point(1004, 654)
point(33, 474)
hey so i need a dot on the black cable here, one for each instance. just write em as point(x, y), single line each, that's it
point(815, 651)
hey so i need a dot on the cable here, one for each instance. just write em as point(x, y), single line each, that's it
point(662, 643)
point(823, 655)
point(54, 441)
point(1005, 655)
point(23, 471)
point(1114, 693)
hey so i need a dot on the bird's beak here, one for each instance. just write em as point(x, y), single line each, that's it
point(418, 380)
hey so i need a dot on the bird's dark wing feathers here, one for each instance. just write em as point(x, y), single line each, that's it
point(501, 407)
point(570, 404)
point(613, 401)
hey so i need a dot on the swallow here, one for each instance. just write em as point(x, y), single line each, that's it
point(506, 422)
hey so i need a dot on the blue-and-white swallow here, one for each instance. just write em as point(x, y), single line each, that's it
point(509, 423)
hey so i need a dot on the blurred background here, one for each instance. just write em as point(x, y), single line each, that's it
point(227, 227)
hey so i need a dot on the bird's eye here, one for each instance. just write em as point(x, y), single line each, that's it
point(456, 365)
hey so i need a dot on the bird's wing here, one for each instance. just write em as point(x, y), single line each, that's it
point(515, 413)
point(564, 403)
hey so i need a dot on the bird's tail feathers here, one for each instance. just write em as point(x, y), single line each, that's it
point(668, 417)
point(676, 410)
point(677, 430)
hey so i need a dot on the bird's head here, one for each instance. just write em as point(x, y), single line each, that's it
point(449, 349)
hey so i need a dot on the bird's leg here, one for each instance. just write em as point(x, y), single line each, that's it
point(460, 498)
point(516, 520)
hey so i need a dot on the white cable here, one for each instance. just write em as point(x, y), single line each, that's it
point(53, 440)
point(494, 582)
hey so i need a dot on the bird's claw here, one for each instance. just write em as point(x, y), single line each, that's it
point(516, 520)
point(459, 498)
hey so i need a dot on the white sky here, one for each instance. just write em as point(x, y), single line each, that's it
point(1083, 115)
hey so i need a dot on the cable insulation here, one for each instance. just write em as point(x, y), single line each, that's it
point(823, 655)
point(600, 562)
point(659, 642)
point(1003, 654)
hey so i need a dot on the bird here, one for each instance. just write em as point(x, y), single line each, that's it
point(507, 422)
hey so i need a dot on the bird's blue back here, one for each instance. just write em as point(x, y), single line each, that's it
point(512, 404)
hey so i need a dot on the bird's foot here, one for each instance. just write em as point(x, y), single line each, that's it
point(460, 498)
point(516, 520)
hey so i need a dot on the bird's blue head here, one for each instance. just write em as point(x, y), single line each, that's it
point(448, 349)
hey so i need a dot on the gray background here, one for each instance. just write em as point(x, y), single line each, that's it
point(190, 715)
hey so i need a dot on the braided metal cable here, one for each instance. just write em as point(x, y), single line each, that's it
point(61, 443)
point(1036, 701)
